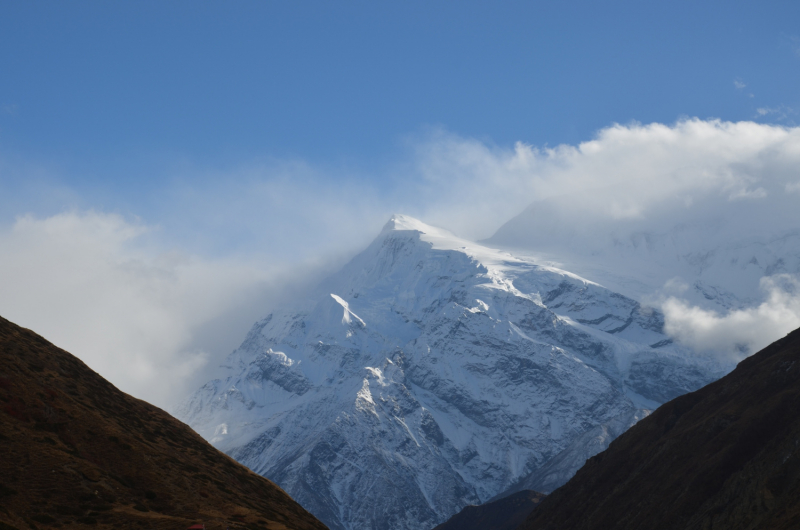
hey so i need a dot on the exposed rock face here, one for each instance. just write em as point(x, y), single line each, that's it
point(726, 456)
point(432, 373)
point(76, 451)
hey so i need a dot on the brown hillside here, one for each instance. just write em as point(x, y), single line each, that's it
point(724, 457)
point(503, 514)
point(76, 452)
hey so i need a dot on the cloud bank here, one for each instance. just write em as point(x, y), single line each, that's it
point(136, 314)
point(626, 172)
point(153, 304)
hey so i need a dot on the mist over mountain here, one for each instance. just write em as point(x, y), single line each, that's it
point(431, 373)
point(176, 284)
point(726, 280)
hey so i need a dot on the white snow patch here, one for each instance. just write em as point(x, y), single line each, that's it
point(346, 317)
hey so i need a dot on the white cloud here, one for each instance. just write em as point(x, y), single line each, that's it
point(739, 332)
point(625, 172)
point(780, 113)
point(144, 305)
point(793, 187)
point(90, 283)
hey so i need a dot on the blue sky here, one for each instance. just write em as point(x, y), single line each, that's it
point(113, 97)
point(169, 171)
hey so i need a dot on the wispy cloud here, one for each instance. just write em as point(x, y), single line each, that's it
point(743, 193)
point(793, 42)
point(147, 318)
point(741, 85)
point(779, 113)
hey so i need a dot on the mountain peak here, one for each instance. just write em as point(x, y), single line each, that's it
point(400, 222)
point(440, 383)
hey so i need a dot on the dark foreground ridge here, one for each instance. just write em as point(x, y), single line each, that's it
point(503, 514)
point(724, 457)
point(77, 452)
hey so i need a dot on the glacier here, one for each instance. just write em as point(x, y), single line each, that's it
point(433, 372)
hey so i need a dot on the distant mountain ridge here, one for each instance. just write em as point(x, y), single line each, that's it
point(432, 373)
point(726, 456)
point(76, 452)
point(712, 255)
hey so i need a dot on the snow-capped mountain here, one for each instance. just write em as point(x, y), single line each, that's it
point(712, 254)
point(432, 372)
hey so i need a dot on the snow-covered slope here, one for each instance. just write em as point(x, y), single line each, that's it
point(433, 372)
point(712, 254)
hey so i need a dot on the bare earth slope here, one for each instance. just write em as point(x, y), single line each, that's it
point(503, 514)
point(75, 451)
point(726, 456)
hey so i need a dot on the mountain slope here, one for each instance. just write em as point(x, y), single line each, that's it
point(712, 254)
point(726, 456)
point(503, 514)
point(432, 373)
point(76, 451)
